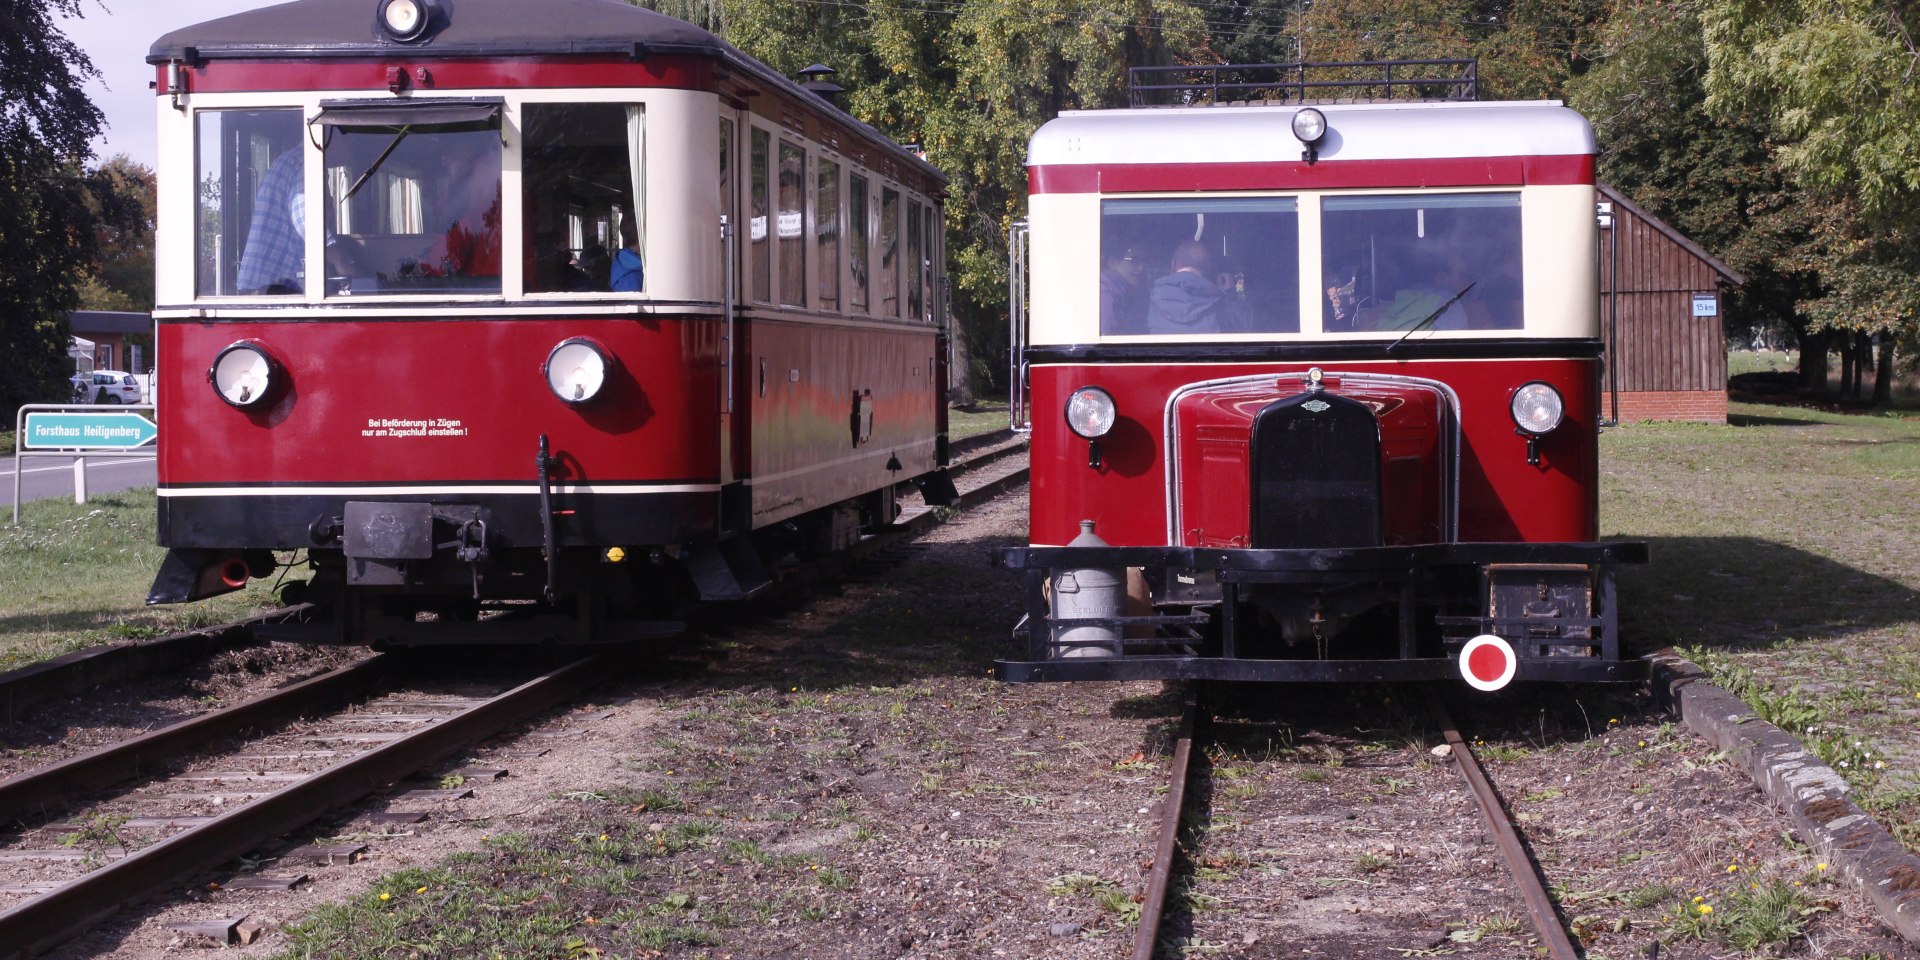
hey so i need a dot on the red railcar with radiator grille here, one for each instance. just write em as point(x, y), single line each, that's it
point(514, 321)
point(1313, 386)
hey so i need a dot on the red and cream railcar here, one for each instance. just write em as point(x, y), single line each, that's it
point(1325, 386)
point(491, 302)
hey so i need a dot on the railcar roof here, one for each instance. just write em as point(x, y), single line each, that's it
point(324, 29)
point(1355, 131)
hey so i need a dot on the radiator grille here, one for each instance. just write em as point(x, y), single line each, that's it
point(1316, 474)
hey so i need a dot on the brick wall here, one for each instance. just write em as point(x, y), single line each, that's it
point(1701, 406)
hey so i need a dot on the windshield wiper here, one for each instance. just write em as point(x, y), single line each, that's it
point(377, 161)
point(1431, 317)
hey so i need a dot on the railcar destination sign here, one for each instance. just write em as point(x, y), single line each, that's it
point(87, 431)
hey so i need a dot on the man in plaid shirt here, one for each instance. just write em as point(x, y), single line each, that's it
point(276, 237)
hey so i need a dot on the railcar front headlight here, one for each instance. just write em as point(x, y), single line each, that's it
point(1537, 408)
point(245, 375)
point(403, 20)
point(1090, 412)
point(576, 370)
point(1309, 126)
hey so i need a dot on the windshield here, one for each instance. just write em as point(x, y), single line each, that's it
point(1390, 262)
point(412, 209)
point(1200, 266)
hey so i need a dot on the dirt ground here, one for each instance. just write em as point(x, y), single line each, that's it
point(842, 778)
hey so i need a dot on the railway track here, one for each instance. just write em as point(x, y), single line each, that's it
point(133, 819)
point(1184, 807)
point(163, 808)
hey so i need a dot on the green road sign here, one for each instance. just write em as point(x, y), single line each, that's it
point(88, 431)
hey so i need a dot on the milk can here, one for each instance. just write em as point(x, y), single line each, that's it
point(1087, 593)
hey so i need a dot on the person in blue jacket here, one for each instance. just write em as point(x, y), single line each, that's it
point(1186, 301)
point(627, 273)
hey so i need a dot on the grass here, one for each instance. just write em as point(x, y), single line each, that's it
point(76, 576)
point(984, 416)
point(1783, 558)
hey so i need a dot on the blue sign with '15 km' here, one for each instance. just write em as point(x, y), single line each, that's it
point(98, 431)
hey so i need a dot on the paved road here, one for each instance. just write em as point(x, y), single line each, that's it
point(42, 477)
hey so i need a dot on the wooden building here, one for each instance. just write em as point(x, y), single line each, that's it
point(1660, 315)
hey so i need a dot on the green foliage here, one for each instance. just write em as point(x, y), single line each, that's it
point(46, 122)
point(123, 202)
point(1835, 79)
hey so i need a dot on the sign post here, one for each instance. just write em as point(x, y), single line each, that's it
point(86, 431)
point(55, 429)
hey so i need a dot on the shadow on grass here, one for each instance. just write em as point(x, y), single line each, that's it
point(1750, 420)
point(1748, 592)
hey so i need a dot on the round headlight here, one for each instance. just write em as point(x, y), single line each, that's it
point(1090, 412)
point(576, 370)
point(1309, 125)
point(403, 19)
point(244, 374)
point(1537, 408)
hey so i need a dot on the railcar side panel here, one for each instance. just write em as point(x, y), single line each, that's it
point(836, 411)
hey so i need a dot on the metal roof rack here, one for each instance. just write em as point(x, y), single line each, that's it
point(1354, 80)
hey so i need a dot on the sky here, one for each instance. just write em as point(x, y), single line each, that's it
point(116, 35)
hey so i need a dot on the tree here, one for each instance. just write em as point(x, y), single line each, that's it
point(122, 200)
point(1833, 82)
point(46, 225)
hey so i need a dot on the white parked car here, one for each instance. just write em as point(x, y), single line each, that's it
point(106, 386)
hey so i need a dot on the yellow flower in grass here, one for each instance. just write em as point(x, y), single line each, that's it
point(421, 890)
point(1704, 908)
point(1820, 867)
point(1698, 899)
point(1733, 868)
point(385, 897)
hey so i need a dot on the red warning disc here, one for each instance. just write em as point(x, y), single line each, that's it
point(1488, 662)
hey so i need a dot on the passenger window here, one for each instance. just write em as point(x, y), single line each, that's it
point(930, 227)
point(826, 232)
point(1391, 262)
point(793, 243)
point(581, 171)
point(762, 258)
point(251, 195)
point(1202, 266)
point(889, 253)
point(916, 262)
point(859, 232)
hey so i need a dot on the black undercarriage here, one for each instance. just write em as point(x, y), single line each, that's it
point(1326, 615)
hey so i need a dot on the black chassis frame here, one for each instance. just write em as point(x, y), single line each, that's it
point(1233, 568)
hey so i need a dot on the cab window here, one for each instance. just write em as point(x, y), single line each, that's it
point(581, 174)
point(250, 234)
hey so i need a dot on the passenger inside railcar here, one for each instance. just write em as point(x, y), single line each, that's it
point(1123, 292)
point(1185, 300)
point(626, 274)
point(1248, 254)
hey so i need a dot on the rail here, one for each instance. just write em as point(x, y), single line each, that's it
point(1304, 81)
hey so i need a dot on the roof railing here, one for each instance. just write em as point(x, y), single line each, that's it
point(1444, 80)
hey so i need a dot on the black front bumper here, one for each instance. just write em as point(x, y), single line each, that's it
point(1204, 642)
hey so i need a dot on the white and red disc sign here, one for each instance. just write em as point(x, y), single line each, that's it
point(1487, 662)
